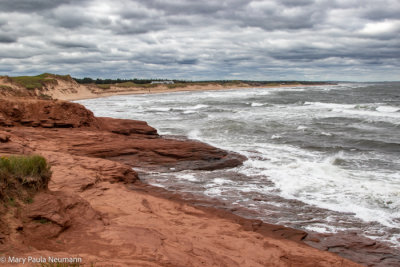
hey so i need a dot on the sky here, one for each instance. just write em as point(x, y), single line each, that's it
point(316, 40)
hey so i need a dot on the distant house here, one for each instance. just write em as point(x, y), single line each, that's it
point(162, 82)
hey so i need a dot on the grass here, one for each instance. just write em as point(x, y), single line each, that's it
point(21, 176)
point(104, 86)
point(32, 82)
point(37, 82)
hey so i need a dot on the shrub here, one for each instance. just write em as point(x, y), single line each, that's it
point(20, 176)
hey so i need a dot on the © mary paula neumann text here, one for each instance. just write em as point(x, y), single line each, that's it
point(40, 259)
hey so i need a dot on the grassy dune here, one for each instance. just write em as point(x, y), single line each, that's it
point(38, 81)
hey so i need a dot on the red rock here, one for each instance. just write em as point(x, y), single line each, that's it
point(89, 212)
point(126, 127)
point(49, 113)
point(52, 213)
point(4, 138)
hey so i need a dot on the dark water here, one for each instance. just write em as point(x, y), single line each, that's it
point(321, 158)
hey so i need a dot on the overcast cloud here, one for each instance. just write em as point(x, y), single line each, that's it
point(356, 40)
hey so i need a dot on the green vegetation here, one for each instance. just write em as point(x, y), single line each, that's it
point(24, 166)
point(104, 86)
point(146, 83)
point(37, 82)
point(21, 176)
point(87, 80)
point(125, 85)
point(33, 82)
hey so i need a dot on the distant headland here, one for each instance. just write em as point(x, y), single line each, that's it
point(54, 86)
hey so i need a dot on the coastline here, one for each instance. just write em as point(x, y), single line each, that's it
point(161, 89)
point(348, 245)
point(182, 231)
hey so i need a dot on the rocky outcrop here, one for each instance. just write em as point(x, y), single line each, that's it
point(45, 114)
point(52, 213)
point(360, 249)
point(126, 127)
point(128, 141)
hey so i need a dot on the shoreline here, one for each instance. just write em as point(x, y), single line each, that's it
point(162, 89)
point(98, 209)
point(110, 198)
point(321, 241)
point(347, 245)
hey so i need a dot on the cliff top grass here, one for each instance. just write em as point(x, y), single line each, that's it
point(21, 176)
point(37, 82)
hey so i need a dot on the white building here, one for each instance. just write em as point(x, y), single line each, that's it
point(162, 82)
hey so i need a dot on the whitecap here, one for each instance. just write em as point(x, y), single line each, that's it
point(221, 181)
point(188, 177)
point(213, 191)
point(388, 109)
point(326, 134)
point(276, 136)
point(301, 127)
point(254, 104)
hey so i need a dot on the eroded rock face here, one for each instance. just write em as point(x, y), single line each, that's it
point(126, 127)
point(51, 214)
point(4, 137)
point(46, 114)
point(360, 249)
point(128, 141)
point(87, 155)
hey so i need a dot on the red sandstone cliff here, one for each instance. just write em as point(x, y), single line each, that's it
point(97, 208)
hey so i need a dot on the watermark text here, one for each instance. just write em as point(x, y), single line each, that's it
point(38, 259)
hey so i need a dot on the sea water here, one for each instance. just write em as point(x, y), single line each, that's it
point(322, 158)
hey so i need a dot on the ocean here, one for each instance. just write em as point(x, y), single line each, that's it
point(320, 158)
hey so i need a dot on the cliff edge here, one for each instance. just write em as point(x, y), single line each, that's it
point(95, 208)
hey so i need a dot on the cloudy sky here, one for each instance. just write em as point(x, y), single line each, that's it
point(356, 40)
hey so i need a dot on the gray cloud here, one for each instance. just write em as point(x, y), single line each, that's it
point(190, 39)
point(34, 5)
point(6, 38)
point(68, 44)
